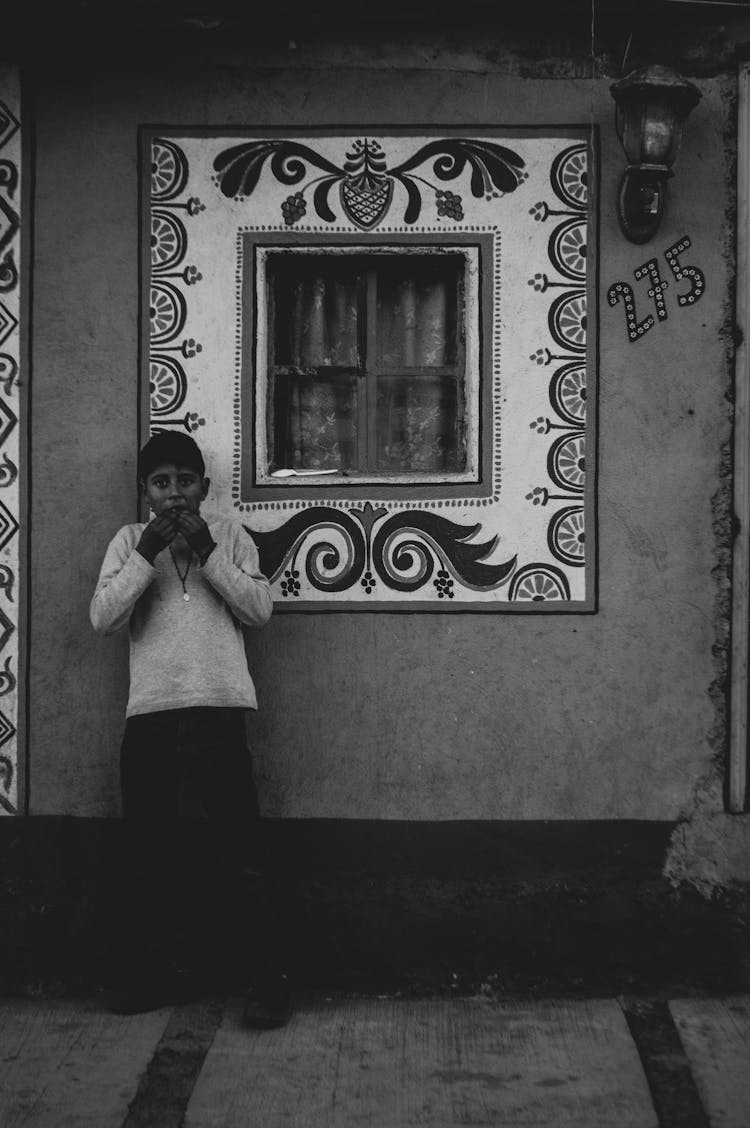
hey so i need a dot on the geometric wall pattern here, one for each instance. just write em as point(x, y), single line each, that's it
point(520, 536)
point(10, 357)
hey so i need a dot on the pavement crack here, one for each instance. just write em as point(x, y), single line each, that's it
point(167, 1085)
point(673, 1090)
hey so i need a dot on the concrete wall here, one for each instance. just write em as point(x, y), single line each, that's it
point(608, 716)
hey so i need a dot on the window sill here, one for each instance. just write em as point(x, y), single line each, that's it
point(331, 478)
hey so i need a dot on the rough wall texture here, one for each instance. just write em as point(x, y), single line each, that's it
point(614, 715)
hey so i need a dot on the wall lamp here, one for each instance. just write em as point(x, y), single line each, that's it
point(651, 105)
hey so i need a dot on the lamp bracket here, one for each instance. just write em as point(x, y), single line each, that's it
point(640, 202)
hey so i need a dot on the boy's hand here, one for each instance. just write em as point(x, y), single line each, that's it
point(196, 532)
point(157, 535)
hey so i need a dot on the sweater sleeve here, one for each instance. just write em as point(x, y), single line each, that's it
point(123, 578)
point(233, 570)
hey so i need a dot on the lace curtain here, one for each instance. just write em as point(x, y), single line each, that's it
point(315, 402)
point(412, 384)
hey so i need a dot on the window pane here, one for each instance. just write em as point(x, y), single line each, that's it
point(315, 312)
point(416, 311)
point(366, 362)
point(315, 424)
point(420, 425)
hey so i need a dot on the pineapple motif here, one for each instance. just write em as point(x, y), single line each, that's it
point(366, 190)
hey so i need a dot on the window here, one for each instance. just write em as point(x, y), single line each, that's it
point(368, 374)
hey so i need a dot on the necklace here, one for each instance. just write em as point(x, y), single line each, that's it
point(182, 576)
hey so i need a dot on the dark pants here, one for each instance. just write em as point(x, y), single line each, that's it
point(185, 890)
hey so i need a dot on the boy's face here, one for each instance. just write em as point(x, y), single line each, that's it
point(171, 487)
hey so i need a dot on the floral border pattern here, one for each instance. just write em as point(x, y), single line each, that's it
point(10, 359)
point(386, 551)
point(566, 457)
point(169, 347)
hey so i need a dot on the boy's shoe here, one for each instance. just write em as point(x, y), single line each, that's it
point(269, 1005)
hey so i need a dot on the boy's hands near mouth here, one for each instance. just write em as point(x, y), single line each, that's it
point(157, 535)
point(196, 532)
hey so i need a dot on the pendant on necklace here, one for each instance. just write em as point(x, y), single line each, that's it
point(186, 597)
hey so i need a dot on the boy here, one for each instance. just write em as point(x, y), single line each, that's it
point(185, 587)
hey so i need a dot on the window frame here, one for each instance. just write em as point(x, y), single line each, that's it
point(478, 281)
point(368, 369)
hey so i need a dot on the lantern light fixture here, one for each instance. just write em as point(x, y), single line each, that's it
point(652, 104)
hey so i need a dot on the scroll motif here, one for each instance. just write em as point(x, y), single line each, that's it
point(404, 552)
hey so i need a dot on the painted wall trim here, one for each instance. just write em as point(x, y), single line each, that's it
point(741, 550)
point(13, 347)
point(382, 905)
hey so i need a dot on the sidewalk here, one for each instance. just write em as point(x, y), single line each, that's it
point(383, 1062)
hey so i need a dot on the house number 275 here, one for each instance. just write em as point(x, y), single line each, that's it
point(623, 291)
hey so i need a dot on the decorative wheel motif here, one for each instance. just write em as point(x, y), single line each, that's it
point(168, 240)
point(167, 312)
point(566, 536)
point(567, 321)
point(538, 583)
point(566, 462)
point(169, 170)
point(167, 385)
point(567, 249)
point(567, 393)
point(569, 177)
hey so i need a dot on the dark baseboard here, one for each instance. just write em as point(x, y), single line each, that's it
point(553, 907)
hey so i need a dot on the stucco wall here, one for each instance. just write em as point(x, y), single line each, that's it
point(429, 716)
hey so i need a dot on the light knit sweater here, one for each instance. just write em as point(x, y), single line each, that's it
point(184, 654)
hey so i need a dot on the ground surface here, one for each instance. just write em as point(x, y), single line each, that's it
point(384, 1062)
